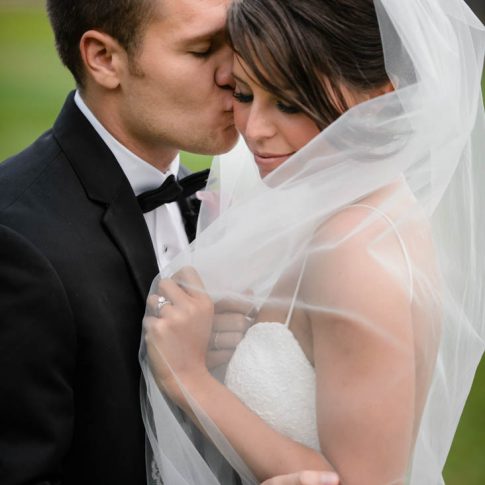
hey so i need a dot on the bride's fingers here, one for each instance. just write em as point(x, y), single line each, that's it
point(169, 294)
point(178, 305)
point(169, 289)
point(152, 305)
point(225, 340)
point(190, 281)
point(235, 305)
point(216, 358)
point(231, 322)
point(153, 329)
point(157, 305)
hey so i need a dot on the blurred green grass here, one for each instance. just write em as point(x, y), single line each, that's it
point(33, 86)
point(33, 82)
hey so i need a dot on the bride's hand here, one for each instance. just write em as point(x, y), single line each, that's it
point(178, 327)
point(232, 319)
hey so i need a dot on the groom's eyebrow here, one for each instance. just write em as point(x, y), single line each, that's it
point(206, 36)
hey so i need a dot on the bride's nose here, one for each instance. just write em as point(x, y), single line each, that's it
point(259, 126)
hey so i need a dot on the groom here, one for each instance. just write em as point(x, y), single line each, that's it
point(77, 252)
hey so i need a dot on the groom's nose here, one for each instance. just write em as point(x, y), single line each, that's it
point(223, 74)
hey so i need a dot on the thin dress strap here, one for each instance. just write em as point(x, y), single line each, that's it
point(403, 248)
point(401, 242)
point(295, 294)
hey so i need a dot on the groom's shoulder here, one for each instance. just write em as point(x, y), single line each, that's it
point(20, 172)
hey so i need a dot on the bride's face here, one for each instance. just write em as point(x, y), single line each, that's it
point(273, 131)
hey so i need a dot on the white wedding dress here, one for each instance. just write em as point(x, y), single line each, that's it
point(270, 373)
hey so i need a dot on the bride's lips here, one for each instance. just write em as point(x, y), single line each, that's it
point(271, 158)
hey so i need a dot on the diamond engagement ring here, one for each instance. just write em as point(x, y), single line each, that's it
point(161, 302)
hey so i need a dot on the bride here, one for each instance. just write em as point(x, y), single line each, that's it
point(348, 221)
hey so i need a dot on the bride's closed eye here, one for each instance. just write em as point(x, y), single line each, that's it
point(242, 98)
point(287, 108)
point(248, 98)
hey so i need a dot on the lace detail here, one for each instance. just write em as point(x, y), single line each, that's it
point(271, 374)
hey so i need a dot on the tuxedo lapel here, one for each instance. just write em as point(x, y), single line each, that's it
point(106, 184)
point(123, 222)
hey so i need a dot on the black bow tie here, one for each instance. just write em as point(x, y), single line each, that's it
point(172, 190)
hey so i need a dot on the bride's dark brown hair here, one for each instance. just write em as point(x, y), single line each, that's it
point(303, 51)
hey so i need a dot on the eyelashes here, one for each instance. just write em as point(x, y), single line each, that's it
point(287, 108)
point(202, 54)
point(242, 98)
point(248, 98)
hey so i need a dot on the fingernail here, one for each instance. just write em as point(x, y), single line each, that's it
point(329, 478)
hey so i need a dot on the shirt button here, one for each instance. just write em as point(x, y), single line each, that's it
point(165, 248)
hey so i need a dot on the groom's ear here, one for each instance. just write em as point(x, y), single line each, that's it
point(103, 58)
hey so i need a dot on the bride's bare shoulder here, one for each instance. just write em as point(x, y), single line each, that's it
point(368, 217)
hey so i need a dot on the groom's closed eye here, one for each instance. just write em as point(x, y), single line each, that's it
point(205, 45)
point(202, 51)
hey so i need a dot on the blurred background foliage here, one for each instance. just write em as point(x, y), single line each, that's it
point(33, 86)
point(33, 82)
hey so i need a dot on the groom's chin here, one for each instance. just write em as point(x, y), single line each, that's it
point(221, 143)
point(232, 139)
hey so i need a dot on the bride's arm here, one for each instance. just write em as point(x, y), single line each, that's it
point(181, 336)
point(363, 350)
point(266, 452)
point(364, 362)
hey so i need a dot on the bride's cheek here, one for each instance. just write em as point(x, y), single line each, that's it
point(241, 116)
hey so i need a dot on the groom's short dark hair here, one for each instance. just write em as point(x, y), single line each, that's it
point(124, 20)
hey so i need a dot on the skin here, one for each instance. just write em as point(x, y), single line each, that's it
point(271, 132)
point(304, 478)
point(350, 362)
point(175, 92)
point(271, 128)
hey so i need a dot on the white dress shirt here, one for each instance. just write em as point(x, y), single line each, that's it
point(164, 223)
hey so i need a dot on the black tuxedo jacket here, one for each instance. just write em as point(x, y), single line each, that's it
point(76, 264)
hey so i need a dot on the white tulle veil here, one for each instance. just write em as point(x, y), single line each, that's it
point(421, 150)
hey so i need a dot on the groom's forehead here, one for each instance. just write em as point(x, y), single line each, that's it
point(195, 19)
point(189, 10)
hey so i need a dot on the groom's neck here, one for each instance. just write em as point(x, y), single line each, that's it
point(108, 112)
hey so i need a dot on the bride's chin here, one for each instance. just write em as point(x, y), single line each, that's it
point(264, 171)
